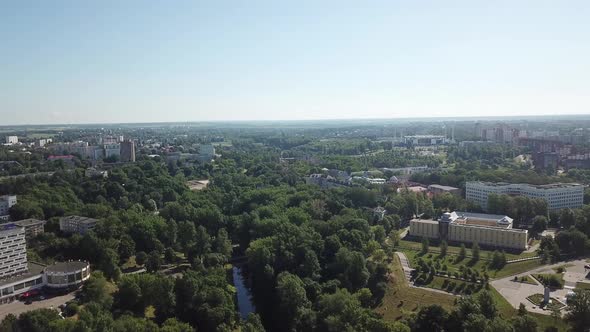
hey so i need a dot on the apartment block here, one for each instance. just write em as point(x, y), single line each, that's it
point(13, 250)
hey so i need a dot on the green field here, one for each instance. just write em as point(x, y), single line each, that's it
point(400, 299)
point(454, 250)
point(527, 280)
point(453, 265)
point(552, 280)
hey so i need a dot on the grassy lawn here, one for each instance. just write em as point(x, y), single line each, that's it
point(454, 250)
point(551, 280)
point(454, 266)
point(537, 299)
point(527, 280)
point(562, 268)
point(129, 264)
point(400, 299)
point(583, 285)
point(456, 286)
point(516, 268)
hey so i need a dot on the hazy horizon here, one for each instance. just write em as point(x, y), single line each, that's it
point(135, 62)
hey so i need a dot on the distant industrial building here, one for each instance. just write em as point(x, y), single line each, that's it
point(463, 227)
point(128, 151)
point(6, 202)
point(33, 227)
point(557, 195)
point(77, 224)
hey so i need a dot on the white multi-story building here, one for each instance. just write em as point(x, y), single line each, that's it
point(13, 250)
point(6, 202)
point(11, 139)
point(557, 195)
point(77, 224)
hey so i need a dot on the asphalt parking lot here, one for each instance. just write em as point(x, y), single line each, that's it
point(18, 307)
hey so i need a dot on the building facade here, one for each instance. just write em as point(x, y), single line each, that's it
point(128, 151)
point(61, 275)
point(33, 227)
point(77, 224)
point(67, 274)
point(13, 250)
point(6, 202)
point(463, 227)
point(557, 195)
point(11, 139)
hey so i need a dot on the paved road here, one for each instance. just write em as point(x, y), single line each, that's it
point(17, 307)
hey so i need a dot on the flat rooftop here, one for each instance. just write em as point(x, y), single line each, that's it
point(66, 267)
point(28, 222)
point(539, 186)
point(35, 269)
point(426, 221)
point(83, 220)
point(440, 186)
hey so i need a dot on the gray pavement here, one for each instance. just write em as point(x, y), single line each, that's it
point(516, 293)
point(17, 307)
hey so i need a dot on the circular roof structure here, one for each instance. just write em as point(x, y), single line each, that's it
point(66, 267)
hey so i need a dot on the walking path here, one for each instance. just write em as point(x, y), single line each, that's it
point(408, 273)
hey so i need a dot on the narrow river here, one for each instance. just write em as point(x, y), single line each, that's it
point(245, 305)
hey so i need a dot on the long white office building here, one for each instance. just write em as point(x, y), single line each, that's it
point(557, 195)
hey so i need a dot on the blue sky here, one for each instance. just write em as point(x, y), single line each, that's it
point(144, 61)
